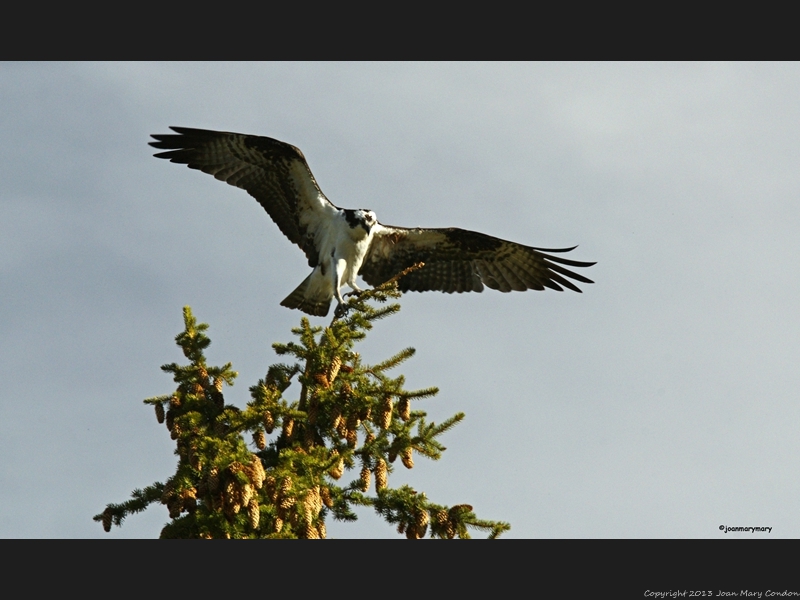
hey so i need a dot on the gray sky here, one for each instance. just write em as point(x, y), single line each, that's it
point(661, 402)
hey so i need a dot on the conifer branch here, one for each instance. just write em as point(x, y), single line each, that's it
point(141, 499)
point(392, 362)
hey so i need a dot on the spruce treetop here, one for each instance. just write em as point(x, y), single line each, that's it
point(320, 435)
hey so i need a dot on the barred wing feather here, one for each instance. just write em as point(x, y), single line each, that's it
point(275, 173)
point(457, 260)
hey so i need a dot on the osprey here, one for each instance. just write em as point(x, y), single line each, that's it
point(341, 244)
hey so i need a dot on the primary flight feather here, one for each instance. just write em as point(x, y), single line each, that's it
point(341, 244)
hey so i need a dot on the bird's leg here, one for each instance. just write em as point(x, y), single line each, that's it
point(341, 309)
point(357, 291)
point(337, 273)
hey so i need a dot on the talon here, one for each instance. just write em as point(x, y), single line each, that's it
point(340, 311)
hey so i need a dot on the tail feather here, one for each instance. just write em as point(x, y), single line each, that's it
point(312, 306)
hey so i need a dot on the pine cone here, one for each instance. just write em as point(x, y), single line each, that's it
point(421, 519)
point(385, 416)
point(218, 381)
point(175, 505)
point(213, 480)
point(404, 409)
point(232, 499)
point(170, 419)
point(260, 439)
point(278, 524)
point(203, 374)
point(288, 428)
point(333, 371)
point(245, 494)
point(407, 457)
point(325, 494)
point(342, 429)
point(338, 469)
point(306, 510)
point(169, 491)
point(271, 486)
point(254, 513)
point(353, 421)
point(369, 438)
point(285, 501)
point(256, 472)
point(315, 497)
point(401, 528)
point(310, 532)
point(352, 437)
point(365, 479)
point(159, 412)
point(107, 515)
point(175, 402)
point(381, 475)
point(323, 531)
point(269, 421)
point(312, 504)
point(411, 532)
point(322, 380)
point(460, 508)
point(336, 416)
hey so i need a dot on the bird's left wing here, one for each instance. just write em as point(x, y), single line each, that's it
point(457, 260)
point(273, 172)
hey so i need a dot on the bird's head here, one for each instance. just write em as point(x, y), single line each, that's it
point(361, 217)
point(370, 218)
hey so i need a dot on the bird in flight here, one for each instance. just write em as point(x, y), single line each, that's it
point(341, 243)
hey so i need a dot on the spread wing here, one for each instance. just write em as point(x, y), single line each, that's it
point(273, 172)
point(457, 260)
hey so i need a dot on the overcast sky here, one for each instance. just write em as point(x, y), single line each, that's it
point(662, 402)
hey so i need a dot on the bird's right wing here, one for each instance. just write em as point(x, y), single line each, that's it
point(273, 172)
